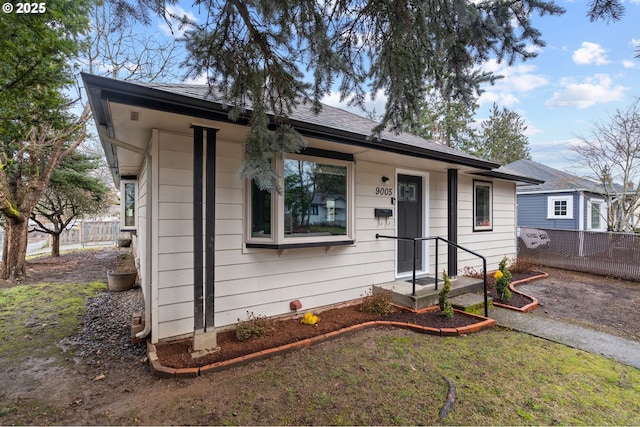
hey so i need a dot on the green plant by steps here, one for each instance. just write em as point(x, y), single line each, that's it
point(253, 327)
point(378, 303)
point(503, 278)
point(443, 297)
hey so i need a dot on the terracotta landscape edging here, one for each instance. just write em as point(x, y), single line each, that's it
point(162, 371)
point(529, 307)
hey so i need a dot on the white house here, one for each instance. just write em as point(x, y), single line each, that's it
point(211, 247)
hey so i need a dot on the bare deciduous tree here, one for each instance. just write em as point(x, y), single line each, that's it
point(125, 51)
point(612, 153)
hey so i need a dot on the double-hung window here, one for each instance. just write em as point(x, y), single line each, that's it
point(597, 215)
point(315, 206)
point(129, 197)
point(482, 206)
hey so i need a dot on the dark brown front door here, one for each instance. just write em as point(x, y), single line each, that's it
point(409, 221)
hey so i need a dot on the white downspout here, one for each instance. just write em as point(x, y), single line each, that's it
point(147, 273)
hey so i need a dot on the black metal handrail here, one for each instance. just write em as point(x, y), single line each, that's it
point(436, 238)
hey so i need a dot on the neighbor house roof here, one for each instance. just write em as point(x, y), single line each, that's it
point(330, 123)
point(554, 179)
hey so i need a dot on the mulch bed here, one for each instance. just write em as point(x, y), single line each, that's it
point(177, 354)
point(517, 300)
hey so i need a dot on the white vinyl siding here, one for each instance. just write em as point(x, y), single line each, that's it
point(265, 281)
point(173, 244)
point(140, 242)
point(495, 244)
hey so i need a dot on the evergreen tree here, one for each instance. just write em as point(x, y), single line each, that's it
point(260, 54)
point(502, 139)
point(445, 121)
point(73, 192)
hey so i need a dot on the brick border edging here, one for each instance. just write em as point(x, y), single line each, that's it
point(162, 371)
point(529, 307)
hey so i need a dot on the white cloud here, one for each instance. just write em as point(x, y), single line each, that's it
point(503, 99)
point(629, 64)
point(598, 89)
point(173, 28)
point(516, 80)
point(202, 79)
point(532, 130)
point(590, 53)
point(557, 154)
point(489, 97)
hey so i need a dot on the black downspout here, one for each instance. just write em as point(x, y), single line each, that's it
point(198, 291)
point(452, 225)
point(210, 231)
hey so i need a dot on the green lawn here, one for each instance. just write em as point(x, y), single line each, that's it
point(376, 377)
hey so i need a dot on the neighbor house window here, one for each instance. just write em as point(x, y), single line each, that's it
point(597, 215)
point(482, 206)
point(128, 199)
point(560, 207)
point(315, 204)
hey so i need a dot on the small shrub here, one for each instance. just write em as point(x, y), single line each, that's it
point(310, 319)
point(253, 327)
point(503, 278)
point(378, 303)
point(472, 272)
point(522, 265)
point(443, 297)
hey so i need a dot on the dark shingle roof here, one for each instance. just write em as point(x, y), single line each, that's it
point(331, 123)
point(330, 117)
point(554, 179)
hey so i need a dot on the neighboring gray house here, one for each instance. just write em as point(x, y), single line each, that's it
point(563, 201)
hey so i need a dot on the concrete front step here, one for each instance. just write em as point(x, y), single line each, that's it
point(427, 296)
point(471, 303)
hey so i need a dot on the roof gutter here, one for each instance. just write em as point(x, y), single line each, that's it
point(510, 177)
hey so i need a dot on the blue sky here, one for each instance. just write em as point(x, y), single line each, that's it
point(586, 71)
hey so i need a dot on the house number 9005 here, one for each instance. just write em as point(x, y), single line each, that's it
point(383, 191)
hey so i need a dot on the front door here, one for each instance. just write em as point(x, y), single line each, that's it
point(409, 221)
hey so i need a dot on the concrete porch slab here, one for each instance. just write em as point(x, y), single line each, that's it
point(427, 295)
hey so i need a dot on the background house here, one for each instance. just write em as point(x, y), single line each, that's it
point(563, 201)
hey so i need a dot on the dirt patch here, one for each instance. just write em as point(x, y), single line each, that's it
point(602, 303)
point(73, 267)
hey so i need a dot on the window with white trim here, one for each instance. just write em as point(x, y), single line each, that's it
point(560, 207)
point(128, 201)
point(315, 206)
point(597, 215)
point(482, 206)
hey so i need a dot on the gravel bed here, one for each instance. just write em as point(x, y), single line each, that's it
point(105, 329)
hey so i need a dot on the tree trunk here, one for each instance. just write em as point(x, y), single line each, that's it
point(55, 245)
point(13, 257)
